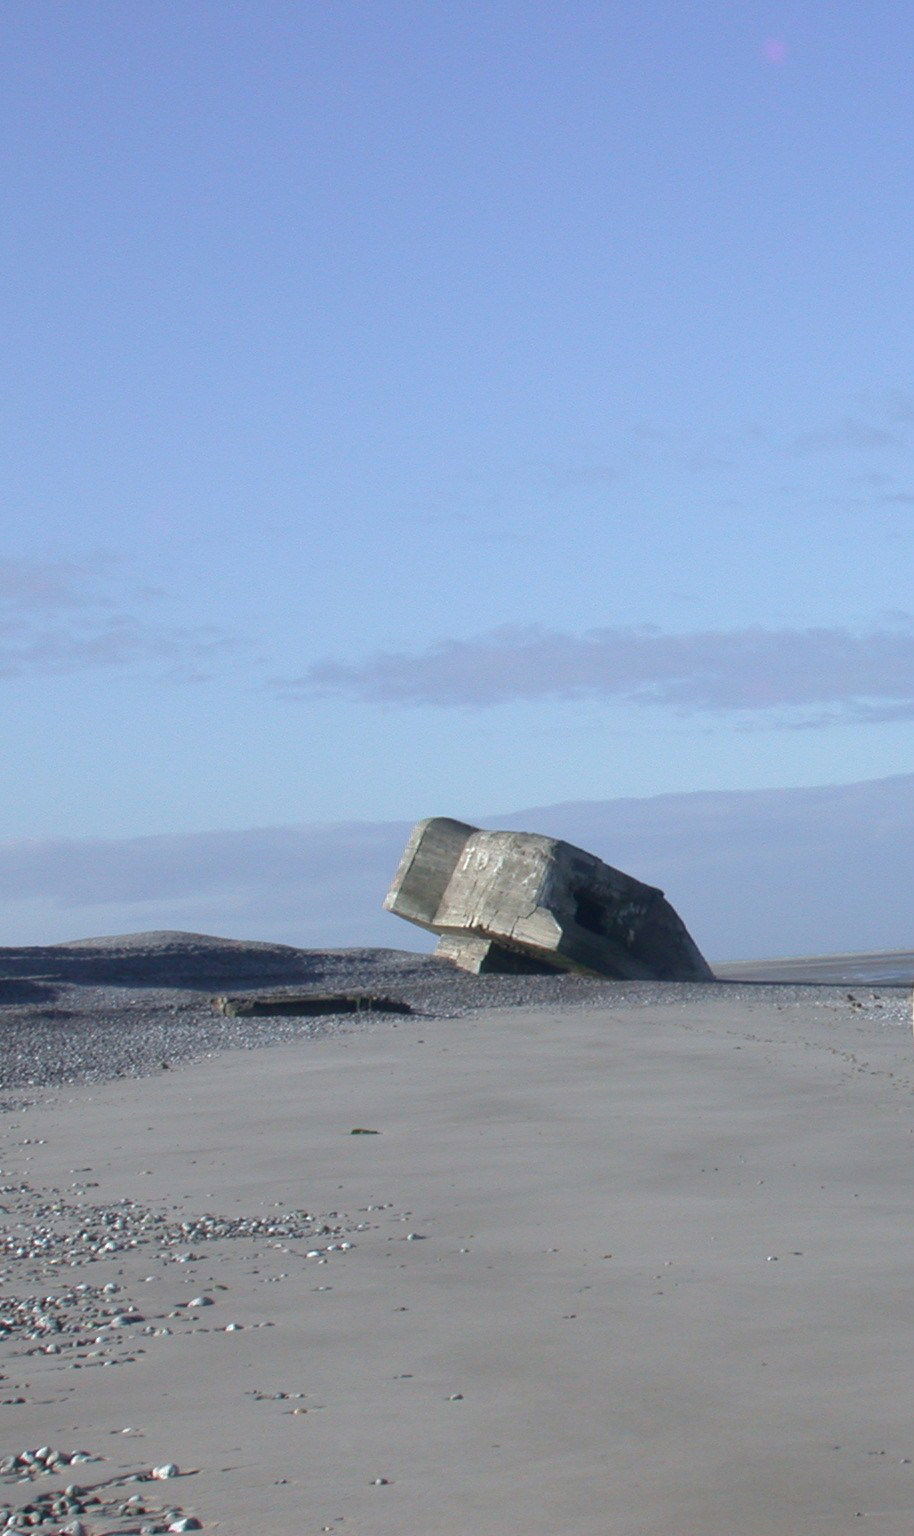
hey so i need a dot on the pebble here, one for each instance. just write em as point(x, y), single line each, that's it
point(43, 1460)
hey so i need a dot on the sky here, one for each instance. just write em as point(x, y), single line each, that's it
point(419, 409)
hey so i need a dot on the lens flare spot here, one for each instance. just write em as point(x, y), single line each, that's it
point(774, 49)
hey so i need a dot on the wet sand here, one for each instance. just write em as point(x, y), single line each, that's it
point(626, 1271)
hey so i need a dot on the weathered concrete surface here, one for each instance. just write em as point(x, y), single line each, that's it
point(516, 901)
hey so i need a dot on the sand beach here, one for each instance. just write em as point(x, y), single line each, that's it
point(627, 1262)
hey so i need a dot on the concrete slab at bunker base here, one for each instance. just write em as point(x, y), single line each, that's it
point(516, 901)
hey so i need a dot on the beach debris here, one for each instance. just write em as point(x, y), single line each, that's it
point(305, 1004)
point(520, 902)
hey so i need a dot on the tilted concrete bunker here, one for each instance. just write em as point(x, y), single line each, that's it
point(516, 901)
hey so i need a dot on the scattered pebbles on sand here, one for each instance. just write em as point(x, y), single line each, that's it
point(46, 1237)
point(102, 1502)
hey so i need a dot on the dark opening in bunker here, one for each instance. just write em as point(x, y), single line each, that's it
point(589, 913)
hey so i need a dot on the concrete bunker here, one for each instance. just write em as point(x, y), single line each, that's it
point(521, 902)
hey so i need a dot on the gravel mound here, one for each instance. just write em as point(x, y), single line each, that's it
point(132, 1005)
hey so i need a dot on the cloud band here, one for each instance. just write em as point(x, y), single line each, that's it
point(756, 669)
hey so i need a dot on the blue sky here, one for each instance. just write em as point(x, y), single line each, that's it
point(420, 408)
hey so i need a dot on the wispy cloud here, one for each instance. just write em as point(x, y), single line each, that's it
point(845, 436)
point(63, 616)
point(754, 669)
